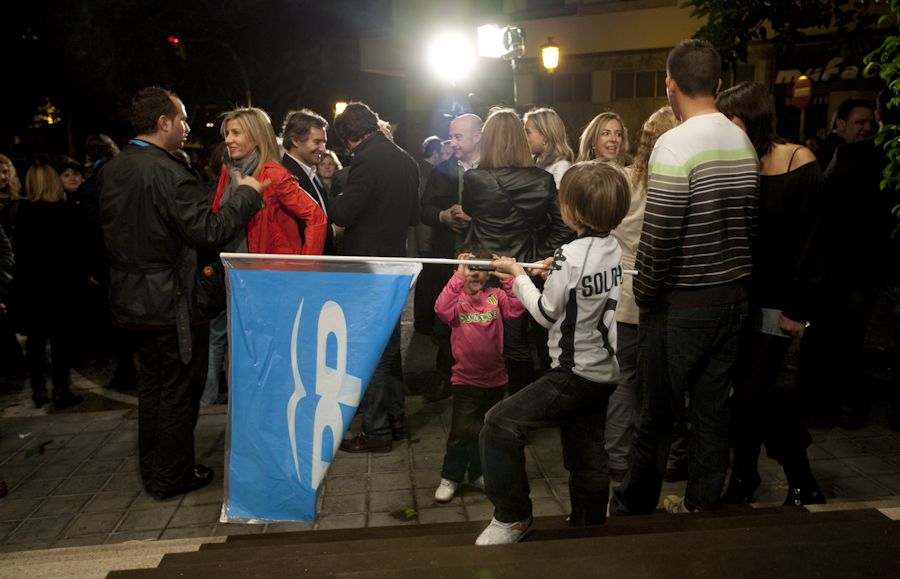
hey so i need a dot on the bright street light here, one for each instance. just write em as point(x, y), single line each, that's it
point(451, 56)
point(550, 55)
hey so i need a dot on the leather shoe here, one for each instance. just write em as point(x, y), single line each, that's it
point(361, 443)
point(201, 477)
point(741, 489)
point(799, 496)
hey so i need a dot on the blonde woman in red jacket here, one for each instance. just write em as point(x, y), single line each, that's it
point(252, 149)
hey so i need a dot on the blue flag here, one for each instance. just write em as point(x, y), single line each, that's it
point(304, 337)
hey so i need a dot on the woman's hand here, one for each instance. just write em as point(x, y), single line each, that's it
point(793, 328)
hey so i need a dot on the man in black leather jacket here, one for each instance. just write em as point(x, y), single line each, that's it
point(155, 214)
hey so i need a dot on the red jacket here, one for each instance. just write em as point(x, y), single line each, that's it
point(275, 229)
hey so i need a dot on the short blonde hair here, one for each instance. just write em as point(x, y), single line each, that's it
point(503, 142)
point(15, 186)
point(552, 128)
point(586, 150)
point(42, 183)
point(595, 196)
point(257, 124)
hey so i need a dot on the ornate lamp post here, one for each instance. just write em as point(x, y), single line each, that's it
point(550, 55)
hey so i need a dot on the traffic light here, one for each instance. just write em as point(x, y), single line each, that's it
point(176, 44)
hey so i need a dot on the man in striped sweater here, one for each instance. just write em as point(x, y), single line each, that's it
point(693, 266)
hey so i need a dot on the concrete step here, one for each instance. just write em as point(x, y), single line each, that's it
point(656, 551)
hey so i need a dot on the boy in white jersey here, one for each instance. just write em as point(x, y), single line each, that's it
point(578, 307)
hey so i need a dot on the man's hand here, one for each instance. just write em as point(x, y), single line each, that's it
point(455, 218)
point(507, 265)
point(794, 328)
point(250, 181)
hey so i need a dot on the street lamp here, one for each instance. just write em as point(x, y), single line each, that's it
point(550, 55)
point(339, 107)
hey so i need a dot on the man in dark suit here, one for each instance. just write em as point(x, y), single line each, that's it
point(376, 208)
point(859, 214)
point(304, 135)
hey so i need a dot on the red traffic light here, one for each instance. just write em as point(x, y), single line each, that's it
point(174, 40)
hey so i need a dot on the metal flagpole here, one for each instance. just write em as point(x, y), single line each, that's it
point(484, 263)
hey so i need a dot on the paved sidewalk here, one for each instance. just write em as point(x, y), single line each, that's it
point(74, 481)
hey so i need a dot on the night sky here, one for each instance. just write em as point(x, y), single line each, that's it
point(88, 57)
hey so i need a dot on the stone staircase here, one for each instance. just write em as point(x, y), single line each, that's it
point(853, 540)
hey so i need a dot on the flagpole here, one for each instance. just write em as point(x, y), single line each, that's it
point(361, 259)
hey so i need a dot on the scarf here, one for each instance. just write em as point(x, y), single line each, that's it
point(245, 167)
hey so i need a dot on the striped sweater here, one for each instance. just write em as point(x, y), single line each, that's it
point(701, 197)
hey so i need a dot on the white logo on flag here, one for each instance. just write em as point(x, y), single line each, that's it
point(334, 386)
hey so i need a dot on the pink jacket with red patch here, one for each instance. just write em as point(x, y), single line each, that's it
point(476, 330)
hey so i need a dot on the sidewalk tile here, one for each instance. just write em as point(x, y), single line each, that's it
point(144, 520)
point(208, 495)
point(67, 505)
point(99, 466)
point(110, 501)
point(390, 481)
point(355, 521)
point(859, 487)
point(341, 504)
point(187, 516)
point(39, 529)
point(289, 527)
point(392, 462)
point(82, 541)
point(446, 514)
point(16, 508)
point(343, 485)
point(49, 470)
point(346, 463)
point(871, 465)
point(547, 507)
point(81, 485)
point(95, 523)
point(483, 512)
point(387, 501)
point(36, 488)
point(124, 481)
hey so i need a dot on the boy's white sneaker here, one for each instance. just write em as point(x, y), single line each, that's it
point(445, 491)
point(478, 483)
point(498, 533)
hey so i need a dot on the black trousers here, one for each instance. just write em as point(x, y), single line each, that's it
point(168, 404)
point(762, 413)
point(470, 404)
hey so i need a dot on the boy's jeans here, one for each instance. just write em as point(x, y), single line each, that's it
point(562, 399)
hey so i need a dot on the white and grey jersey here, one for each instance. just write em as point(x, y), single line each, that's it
point(578, 306)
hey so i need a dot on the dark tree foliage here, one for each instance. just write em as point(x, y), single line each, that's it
point(733, 24)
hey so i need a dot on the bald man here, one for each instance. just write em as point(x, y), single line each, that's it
point(441, 210)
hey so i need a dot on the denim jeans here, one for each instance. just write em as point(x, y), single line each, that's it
point(620, 414)
point(558, 398)
point(470, 403)
point(218, 347)
point(682, 349)
point(384, 397)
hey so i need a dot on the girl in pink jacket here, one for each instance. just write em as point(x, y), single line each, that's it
point(475, 314)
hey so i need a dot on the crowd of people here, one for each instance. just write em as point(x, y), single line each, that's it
point(666, 289)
